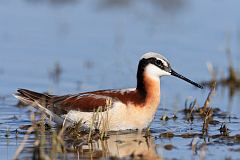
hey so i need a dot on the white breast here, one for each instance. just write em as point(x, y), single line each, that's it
point(118, 117)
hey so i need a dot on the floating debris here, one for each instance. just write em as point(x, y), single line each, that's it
point(224, 130)
point(166, 117)
point(188, 135)
point(7, 134)
point(169, 147)
point(166, 135)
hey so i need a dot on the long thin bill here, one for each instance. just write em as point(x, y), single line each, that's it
point(185, 79)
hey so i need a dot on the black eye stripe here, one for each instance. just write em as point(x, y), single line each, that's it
point(158, 62)
point(154, 61)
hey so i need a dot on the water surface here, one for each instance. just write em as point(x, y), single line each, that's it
point(97, 45)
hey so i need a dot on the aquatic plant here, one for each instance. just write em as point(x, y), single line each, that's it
point(231, 81)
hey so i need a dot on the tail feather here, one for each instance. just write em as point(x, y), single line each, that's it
point(38, 100)
point(33, 97)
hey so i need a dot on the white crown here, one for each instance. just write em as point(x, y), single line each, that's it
point(153, 54)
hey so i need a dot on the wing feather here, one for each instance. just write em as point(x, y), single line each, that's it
point(84, 102)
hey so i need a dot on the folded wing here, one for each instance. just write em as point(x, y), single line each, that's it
point(85, 102)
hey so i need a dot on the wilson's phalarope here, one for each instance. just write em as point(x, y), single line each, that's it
point(117, 109)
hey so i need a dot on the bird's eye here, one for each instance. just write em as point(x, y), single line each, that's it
point(158, 62)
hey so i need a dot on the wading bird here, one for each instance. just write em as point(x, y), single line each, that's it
point(115, 109)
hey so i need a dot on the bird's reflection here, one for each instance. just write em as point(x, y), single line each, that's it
point(132, 145)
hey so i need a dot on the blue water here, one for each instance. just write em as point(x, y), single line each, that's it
point(98, 45)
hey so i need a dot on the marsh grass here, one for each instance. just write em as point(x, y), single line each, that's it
point(100, 122)
point(41, 151)
point(189, 110)
point(193, 110)
point(49, 147)
point(55, 143)
point(207, 114)
point(231, 81)
point(66, 138)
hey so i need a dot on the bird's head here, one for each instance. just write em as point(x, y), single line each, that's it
point(156, 65)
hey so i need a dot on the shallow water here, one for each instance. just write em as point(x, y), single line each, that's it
point(97, 45)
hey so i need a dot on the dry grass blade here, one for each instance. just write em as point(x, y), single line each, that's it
point(210, 94)
point(94, 123)
point(194, 143)
point(21, 147)
point(212, 71)
point(206, 111)
point(207, 118)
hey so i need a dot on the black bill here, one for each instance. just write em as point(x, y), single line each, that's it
point(185, 79)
